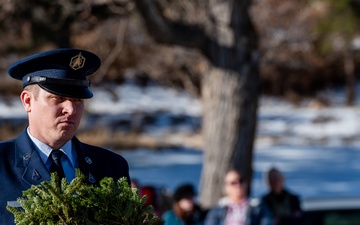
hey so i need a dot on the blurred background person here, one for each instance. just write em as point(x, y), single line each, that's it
point(153, 196)
point(185, 211)
point(284, 205)
point(235, 207)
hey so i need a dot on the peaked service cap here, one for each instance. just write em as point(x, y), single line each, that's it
point(61, 71)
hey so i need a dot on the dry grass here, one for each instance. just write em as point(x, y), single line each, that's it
point(120, 140)
point(101, 136)
point(9, 129)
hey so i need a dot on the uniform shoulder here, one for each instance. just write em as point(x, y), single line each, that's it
point(98, 151)
point(5, 144)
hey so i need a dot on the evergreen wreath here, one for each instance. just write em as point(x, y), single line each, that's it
point(57, 202)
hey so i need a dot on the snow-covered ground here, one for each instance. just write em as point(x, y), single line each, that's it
point(317, 149)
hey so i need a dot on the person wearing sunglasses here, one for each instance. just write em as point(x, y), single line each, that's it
point(235, 207)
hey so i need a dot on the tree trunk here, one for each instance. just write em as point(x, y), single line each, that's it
point(229, 89)
point(230, 100)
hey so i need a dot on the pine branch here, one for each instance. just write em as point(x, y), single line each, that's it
point(58, 202)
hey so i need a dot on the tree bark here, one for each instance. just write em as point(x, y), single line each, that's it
point(229, 121)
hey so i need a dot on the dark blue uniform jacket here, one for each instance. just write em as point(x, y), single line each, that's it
point(21, 167)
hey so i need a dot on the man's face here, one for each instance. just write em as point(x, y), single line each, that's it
point(276, 183)
point(235, 186)
point(53, 119)
point(187, 203)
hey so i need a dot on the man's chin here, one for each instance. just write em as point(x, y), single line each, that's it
point(67, 134)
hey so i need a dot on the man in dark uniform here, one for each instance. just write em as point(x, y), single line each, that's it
point(54, 88)
point(284, 205)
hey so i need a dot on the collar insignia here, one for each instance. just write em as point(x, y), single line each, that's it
point(26, 156)
point(91, 178)
point(88, 160)
point(36, 175)
point(77, 62)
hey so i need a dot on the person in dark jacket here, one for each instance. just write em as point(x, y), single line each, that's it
point(54, 88)
point(284, 205)
point(185, 211)
point(235, 208)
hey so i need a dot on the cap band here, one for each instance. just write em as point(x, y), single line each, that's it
point(49, 80)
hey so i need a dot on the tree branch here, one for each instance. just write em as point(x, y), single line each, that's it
point(168, 32)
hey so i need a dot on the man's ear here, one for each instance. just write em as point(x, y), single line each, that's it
point(25, 97)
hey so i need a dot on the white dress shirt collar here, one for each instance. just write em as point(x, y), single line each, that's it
point(45, 150)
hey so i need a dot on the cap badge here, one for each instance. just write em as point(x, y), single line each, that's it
point(77, 62)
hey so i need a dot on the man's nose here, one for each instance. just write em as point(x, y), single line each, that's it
point(69, 107)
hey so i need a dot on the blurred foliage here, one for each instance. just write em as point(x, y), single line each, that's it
point(338, 27)
point(52, 21)
point(294, 60)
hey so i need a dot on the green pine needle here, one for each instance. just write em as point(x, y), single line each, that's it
point(58, 202)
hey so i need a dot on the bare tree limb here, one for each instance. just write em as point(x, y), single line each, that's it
point(113, 55)
point(168, 32)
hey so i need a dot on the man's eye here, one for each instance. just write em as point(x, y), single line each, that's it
point(58, 98)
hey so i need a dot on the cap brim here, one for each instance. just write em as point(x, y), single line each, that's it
point(68, 91)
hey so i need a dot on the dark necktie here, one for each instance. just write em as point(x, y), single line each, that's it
point(56, 165)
